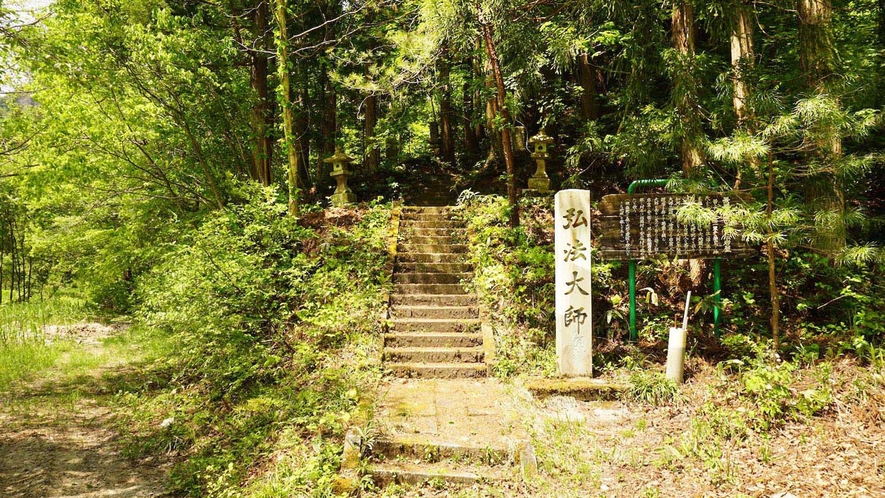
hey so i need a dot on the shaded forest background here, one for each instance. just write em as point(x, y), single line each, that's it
point(137, 118)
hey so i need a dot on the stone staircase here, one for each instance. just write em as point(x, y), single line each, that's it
point(435, 326)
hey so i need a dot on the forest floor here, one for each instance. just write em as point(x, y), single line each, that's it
point(58, 436)
point(618, 448)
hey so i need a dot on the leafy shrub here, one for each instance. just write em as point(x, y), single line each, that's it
point(774, 389)
point(275, 323)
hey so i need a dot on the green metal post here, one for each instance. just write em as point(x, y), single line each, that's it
point(633, 334)
point(717, 294)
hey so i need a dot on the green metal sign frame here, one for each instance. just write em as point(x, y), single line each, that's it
point(717, 272)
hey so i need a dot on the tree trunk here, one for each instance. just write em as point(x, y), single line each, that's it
point(772, 274)
point(471, 140)
point(198, 151)
point(373, 154)
point(479, 74)
point(742, 61)
point(817, 54)
point(284, 93)
point(262, 117)
point(447, 137)
point(588, 75)
point(327, 127)
point(500, 101)
point(685, 89)
point(302, 124)
point(817, 61)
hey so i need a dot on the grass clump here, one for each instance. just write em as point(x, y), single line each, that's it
point(648, 386)
point(25, 348)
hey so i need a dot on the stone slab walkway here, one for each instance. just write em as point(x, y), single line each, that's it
point(476, 413)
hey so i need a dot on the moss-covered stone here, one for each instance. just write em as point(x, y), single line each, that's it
point(578, 387)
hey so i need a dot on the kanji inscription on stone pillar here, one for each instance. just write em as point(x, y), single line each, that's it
point(574, 324)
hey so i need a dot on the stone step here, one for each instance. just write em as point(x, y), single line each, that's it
point(428, 340)
point(431, 278)
point(449, 312)
point(433, 232)
point(442, 223)
point(434, 355)
point(444, 240)
point(437, 370)
point(431, 248)
point(434, 325)
point(418, 216)
point(411, 474)
point(432, 268)
point(430, 257)
point(427, 209)
point(429, 289)
point(435, 451)
point(434, 300)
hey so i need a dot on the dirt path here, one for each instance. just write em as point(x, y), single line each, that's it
point(57, 437)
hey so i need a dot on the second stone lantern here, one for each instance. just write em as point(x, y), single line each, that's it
point(540, 182)
point(340, 162)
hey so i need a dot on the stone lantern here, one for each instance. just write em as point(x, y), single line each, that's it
point(540, 182)
point(341, 172)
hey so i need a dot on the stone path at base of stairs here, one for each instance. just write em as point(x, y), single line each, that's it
point(457, 431)
point(467, 412)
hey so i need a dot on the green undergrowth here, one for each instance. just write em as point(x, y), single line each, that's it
point(275, 331)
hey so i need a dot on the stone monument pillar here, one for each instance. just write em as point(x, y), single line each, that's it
point(340, 162)
point(540, 182)
point(574, 322)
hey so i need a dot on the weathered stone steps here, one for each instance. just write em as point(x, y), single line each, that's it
point(411, 229)
point(435, 240)
point(434, 355)
point(430, 278)
point(438, 257)
point(438, 370)
point(385, 474)
point(432, 340)
point(431, 451)
point(418, 299)
point(434, 325)
point(432, 248)
point(419, 267)
point(434, 320)
point(429, 289)
point(429, 223)
point(450, 312)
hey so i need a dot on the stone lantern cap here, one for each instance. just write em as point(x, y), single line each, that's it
point(541, 139)
point(339, 160)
